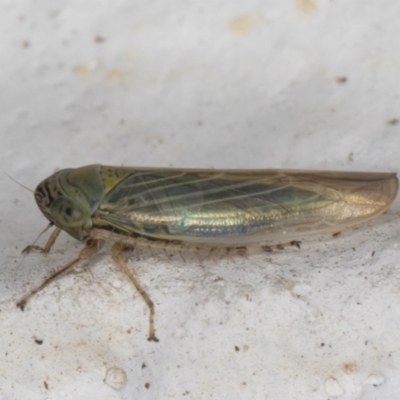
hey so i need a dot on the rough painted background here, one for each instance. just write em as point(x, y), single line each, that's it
point(245, 84)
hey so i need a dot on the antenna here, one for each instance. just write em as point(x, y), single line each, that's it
point(20, 184)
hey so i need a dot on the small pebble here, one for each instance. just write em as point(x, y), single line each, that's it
point(116, 378)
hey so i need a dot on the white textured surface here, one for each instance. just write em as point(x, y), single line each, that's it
point(244, 84)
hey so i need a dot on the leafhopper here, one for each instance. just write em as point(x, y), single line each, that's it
point(229, 209)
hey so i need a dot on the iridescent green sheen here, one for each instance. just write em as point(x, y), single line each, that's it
point(212, 206)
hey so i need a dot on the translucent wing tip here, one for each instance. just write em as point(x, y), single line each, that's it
point(378, 193)
point(391, 188)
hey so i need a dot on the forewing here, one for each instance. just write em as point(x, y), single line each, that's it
point(239, 207)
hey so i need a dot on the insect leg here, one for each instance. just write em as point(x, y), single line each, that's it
point(197, 254)
point(90, 248)
point(116, 252)
point(51, 240)
point(296, 243)
point(281, 246)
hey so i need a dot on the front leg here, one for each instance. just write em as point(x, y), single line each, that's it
point(51, 240)
point(91, 247)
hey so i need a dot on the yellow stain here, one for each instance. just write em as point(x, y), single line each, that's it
point(349, 368)
point(82, 70)
point(133, 53)
point(242, 24)
point(136, 27)
point(306, 6)
point(116, 75)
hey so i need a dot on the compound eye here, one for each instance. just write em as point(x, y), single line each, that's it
point(73, 213)
point(67, 213)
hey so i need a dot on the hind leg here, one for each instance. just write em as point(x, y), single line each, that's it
point(116, 252)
